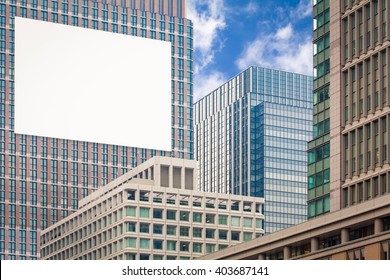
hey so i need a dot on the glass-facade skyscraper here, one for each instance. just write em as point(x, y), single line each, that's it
point(251, 138)
point(319, 147)
point(42, 179)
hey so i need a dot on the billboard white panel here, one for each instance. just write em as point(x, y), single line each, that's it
point(83, 84)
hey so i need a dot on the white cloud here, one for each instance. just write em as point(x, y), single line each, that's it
point(285, 48)
point(280, 50)
point(206, 83)
point(304, 9)
point(299, 59)
point(251, 8)
point(284, 33)
point(208, 17)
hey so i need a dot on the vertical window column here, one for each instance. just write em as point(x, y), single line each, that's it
point(367, 147)
point(387, 58)
point(364, 86)
point(355, 35)
point(344, 158)
point(364, 20)
point(387, 142)
point(350, 95)
point(371, 97)
point(349, 155)
point(360, 152)
point(387, 21)
point(344, 87)
point(372, 148)
point(354, 99)
point(383, 78)
point(381, 122)
point(372, 26)
point(350, 21)
point(345, 39)
point(380, 20)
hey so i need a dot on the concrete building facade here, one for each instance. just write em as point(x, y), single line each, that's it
point(354, 149)
point(251, 138)
point(153, 212)
point(355, 233)
point(42, 179)
point(360, 102)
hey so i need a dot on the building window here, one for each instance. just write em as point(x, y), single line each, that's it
point(197, 217)
point(222, 219)
point(157, 229)
point(157, 244)
point(144, 212)
point(235, 235)
point(144, 243)
point(247, 222)
point(131, 227)
point(171, 215)
point(222, 234)
point(235, 221)
point(184, 216)
point(131, 242)
point(184, 246)
point(130, 211)
point(184, 231)
point(210, 248)
point(210, 233)
point(247, 236)
point(171, 230)
point(144, 228)
point(210, 218)
point(197, 232)
point(171, 246)
point(129, 256)
point(157, 213)
point(197, 247)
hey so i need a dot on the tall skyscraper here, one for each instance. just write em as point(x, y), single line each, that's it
point(360, 101)
point(319, 148)
point(41, 178)
point(250, 139)
point(349, 158)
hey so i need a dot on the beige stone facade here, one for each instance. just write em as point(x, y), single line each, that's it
point(358, 232)
point(153, 212)
point(362, 79)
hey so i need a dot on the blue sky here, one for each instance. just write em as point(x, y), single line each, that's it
point(231, 35)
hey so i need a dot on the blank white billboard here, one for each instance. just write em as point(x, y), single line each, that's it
point(83, 84)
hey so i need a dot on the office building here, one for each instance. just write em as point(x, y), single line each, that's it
point(360, 102)
point(318, 194)
point(357, 104)
point(43, 178)
point(356, 199)
point(251, 138)
point(355, 233)
point(153, 213)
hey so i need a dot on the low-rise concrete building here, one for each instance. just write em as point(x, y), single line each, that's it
point(153, 212)
point(355, 233)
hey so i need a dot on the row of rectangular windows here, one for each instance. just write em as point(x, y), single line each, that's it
point(162, 8)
